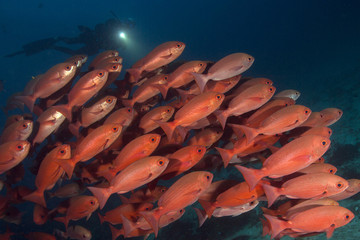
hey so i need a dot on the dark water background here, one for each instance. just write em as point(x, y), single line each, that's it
point(311, 46)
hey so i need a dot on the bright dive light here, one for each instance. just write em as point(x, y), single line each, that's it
point(122, 35)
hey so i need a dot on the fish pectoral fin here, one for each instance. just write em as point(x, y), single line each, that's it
point(236, 68)
point(143, 179)
point(197, 191)
point(89, 87)
point(167, 56)
point(330, 231)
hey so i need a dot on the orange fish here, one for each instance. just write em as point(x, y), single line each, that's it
point(354, 188)
point(49, 121)
point(283, 120)
point(185, 191)
point(80, 206)
point(249, 83)
point(330, 116)
point(20, 130)
point(237, 195)
point(319, 167)
point(158, 57)
point(266, 110)
point(49, 173)
point(123, 116)
point(161, 113)
point(133, 176)
point(182, 76)
point(12, 119)
point(12, 153)
point(145, 195)
point(313, 185)
point(292, 157)
point(248, 100)
point(94, 143)
point(50, 82)
point(197, 108)
point(101, 57)
point(138, 148)
point(147, 90)
point(227, 67)
point(130, 211)
point(182, 160)
point(318, 219)
point(85, 88)
point(223, 86)
point(93, 113)
point(206, 137)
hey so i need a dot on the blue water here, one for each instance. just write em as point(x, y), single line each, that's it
point(312, 46)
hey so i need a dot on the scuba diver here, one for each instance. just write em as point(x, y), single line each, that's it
point(104, 36)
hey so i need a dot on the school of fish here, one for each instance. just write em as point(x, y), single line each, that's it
point(154, 141)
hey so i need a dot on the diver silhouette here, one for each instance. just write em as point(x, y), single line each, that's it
point(104, 36)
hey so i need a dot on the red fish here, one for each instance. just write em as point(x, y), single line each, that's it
point(197, 108)
point(182, 193)
point(313, 185)
point(161, 113)
point(292, 157)
point(133, 176)
point(227, 67)
point(49, 173)
point(20, 130)
point(318, 219)
point(158, 57)
point(12, 153)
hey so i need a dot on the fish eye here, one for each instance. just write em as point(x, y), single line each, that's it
point(162, 190)
point(329, 132)
point(307, 111)
point(339, 185)
point(68, 67)
point(200, 64)
point(331, 171)
point(323, 143)
point(252, 203)
point(218, 96)
point(115, 129)
point(129, 110)
point(249, 58)
point(286, 105)
point(271, 89)
point(166, 77)
point(92, 202)
point(152, 139)
point(161, 163)
point(178, 45)
point(199, 150)
point(347, 216)
point(62, 151)
point(114, 67)
point(208, 177)
point(19, 147)
point(340, 112)
point(181, 210)
point(100, 74)
point(321, 115)
point(109, 100)
point(168, 110)
point(268, 82)
point(147, 209)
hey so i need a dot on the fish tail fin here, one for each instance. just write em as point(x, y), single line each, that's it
point(29, 101)
point(201, 80)
point(202, 216)
point(163, 88)
point(124, 200)
point(65, 109)
point(250, 133)
point(127, 225)
point(128, 102)
point(183, 94)
point(266, 227)
point(182, 131)
point(102, 194)
point(221, 116)
point(167, 127)
point(37, 197)
point(209, 207)
point(135, 72)
point(276, 224)
point(101, 218)
point(68, 165)
point(226, 155)
point(115, 233)
point(272, 193)
point(152, 217)
point(252, 176)
point(74, 128)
